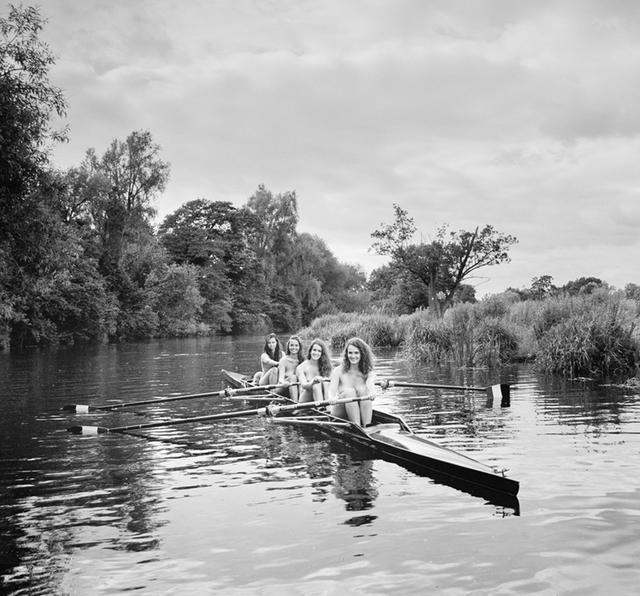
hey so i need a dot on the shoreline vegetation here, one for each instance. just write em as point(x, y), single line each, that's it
point(594, 335)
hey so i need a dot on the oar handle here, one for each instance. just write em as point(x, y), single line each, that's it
point(275, 409)
point(385, 383)
point(265, 387)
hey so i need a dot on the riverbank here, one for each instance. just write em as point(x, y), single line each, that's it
point(594, 335)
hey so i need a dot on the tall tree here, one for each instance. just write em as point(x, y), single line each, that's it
point(136, 175)
point(320, 282)
point(214, 236)
point(396, 291)
point(275, 235)
point(116, 193)
point(541, 287)
point(273, 240)
point(126, 180)
point(28, 104)
point(199, 232)
point(28, 101)
point(443, 265)
point(85, 191)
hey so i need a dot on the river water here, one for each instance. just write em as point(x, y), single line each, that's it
point(248, 506)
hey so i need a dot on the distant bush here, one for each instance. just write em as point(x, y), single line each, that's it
point(597, 339)
point(376, 329)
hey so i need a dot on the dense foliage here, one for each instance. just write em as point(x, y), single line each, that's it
point(103, 273)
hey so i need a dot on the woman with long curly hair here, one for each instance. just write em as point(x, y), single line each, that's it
point(354, 377)
point(313, 374)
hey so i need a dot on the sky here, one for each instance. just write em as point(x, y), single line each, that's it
point(519, 114)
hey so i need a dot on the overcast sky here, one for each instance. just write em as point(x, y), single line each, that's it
point(524, 115)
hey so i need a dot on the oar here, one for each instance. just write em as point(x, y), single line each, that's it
point(270, 410)
point(501, 390)
point(268, 397)
point(84, 409)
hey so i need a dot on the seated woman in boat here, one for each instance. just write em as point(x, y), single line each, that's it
point(288, 364)
point(269, 359)
point(354, 377)
point(313, 373)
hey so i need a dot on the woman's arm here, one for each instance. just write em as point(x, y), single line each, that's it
point(266, 359)
point(302, 377)
point(334, 383)
point(371, 384)
point(282, 370)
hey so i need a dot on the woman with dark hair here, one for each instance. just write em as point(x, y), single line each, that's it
point(269, 359)
point(313, 373)
point(288, 364)
point(354, 377)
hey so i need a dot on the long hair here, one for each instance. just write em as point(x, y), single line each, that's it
point(366, 363)
point(277, 353)
point(300, 353)
point(324, 363)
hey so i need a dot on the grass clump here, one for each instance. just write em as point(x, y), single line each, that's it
point(377, 329)
point(595, 339)
point(467, 335)
point(428, 340)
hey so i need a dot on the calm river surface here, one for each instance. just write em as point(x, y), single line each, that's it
point(248, 506)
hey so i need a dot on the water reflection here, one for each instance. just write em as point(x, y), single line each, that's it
point(332, 467)
point(354, 483)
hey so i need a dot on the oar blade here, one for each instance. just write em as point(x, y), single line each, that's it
point(87, 430)
point(77, 408)
point(499, 394)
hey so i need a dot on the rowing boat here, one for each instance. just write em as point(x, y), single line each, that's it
point(391, 438)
